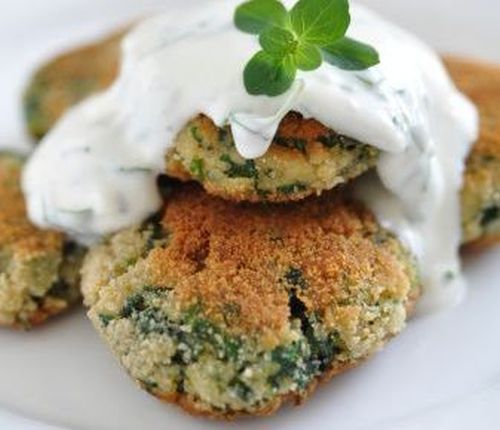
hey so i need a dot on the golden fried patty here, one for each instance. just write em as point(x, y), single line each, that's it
point(232, 309)
point(39, 270)
point(481, 192)
point(68, 79)
point(305, 158)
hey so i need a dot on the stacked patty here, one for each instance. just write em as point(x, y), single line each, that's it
point(231, 309)
point(304, 158)
point(481, 191)
point(39, 270)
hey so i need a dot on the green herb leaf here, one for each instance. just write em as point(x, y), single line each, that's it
point(320, 22)
point(254, 16)
point(308, 57)
point(278, 42)
point(267, 75)
point(313, 31)
point(348, 54)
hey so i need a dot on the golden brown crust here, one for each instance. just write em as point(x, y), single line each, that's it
point(305, 158)
point(258, 273)
point(16, 231)
point(49, 308)
point(68, 79)
point(238, 235)
point(218, 247)
point(32, 259)
point(481, 83)
point(192, 407)
point(483, 244)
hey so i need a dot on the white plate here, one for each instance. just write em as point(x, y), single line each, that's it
point(442, 373)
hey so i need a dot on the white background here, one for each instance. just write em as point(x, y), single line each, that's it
point(442, 373)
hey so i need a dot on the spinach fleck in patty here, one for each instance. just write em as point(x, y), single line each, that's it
point(232, 309)
point(305, 158)
point(481, 191)
point(39, 270)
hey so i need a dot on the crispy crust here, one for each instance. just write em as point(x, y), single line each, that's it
point(481, 82)
point(15, 229)
point(192, 407)
point(220, 252)
point(24, 245)
point(210, 256)
point(305, 158)
point(483, 244)
point(49, 308)
point(68, 79)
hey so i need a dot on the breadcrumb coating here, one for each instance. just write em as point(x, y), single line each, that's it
point(67, 80)
point(231, 309)
point(481, 191)
point(38, 269)
point(305, 158)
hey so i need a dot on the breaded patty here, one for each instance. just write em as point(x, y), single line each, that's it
point(305, 158)
point(39, 270)
point(67, 80)
point(233, 309)
point(481, 192)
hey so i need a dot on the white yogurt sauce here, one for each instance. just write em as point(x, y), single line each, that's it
point(95, 172)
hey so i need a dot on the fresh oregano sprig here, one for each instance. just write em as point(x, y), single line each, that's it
point(313, 31)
